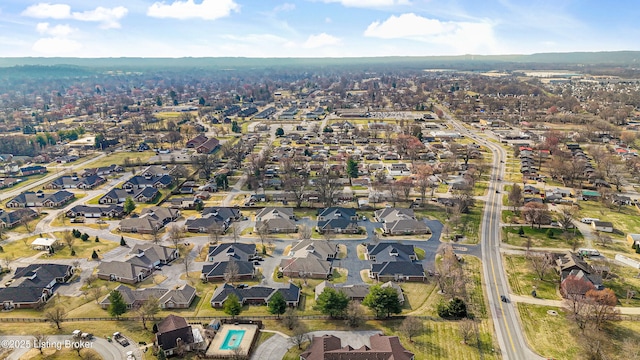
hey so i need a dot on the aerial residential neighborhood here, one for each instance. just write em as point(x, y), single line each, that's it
point(311, 208)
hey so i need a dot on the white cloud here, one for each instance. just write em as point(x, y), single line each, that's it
point(55, 31)
point(107, 17)
point(284, 7)
point(320, 40)
point(48, 11)
point(188, 9)
point(369, 3)
point(463, 36)
point(327, 20)
point(56, 46)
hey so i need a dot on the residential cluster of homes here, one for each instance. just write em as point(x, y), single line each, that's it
point(572, 267)
point(31, 286)
point(142, 261)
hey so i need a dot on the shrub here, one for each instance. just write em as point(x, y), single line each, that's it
point(550, 233)
point(521, 231)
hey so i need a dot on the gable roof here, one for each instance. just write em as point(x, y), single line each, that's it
point(172, 328)
point(337, 218)
point(227, 251)
point(329, 347)
point(317, 248)
point(39, 275)
point(393, 214)
point(217, 269)
point(400, 268)
point(383, 251)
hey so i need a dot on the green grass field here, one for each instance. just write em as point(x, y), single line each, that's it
point(522, 279)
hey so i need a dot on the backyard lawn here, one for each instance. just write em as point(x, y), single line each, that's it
point(119, 157)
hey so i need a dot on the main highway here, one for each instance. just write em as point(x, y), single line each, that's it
point(511, 338)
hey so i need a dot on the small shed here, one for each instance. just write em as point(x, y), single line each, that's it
point(43, 243)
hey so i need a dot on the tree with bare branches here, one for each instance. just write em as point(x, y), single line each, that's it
point(540, 263)
point(536, 213)
point(468, 330)
point(148, 310)
point(231, 273)
point(411, 327)
point(56, 315)
point(299, 336)
point(175, 235)
point(305, 232)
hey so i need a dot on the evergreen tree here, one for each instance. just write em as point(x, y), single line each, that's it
point(277, 304)
point(332, 302)
point(94, 255)
point(352, 168)
point(117, 306)
point(122, 242)
point(383, 301)
point(232, 306)
point(129, 205)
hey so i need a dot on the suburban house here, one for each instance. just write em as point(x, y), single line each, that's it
point(338, 220)
point(145, 259)
point(397, 271)
point(9, 219)
point(572, 266)
point(382, 347)
point(398, 221)
point(390, 251)
point(144, 181)
point(208, 146)
point(40, 199)
point(214, 219)
point(33, 170)
point(355, 292)
point(196, 141)
point(310, 259)
point(103, 171)
point(603, 226)
point(33, 285)
point(221, 255)
point(150, 220)
point(306, 267)
point(255, 295)
point(321, 249)
point(179, 298)
point(118, 196)
point(8, 182)
point(175, 336)
point(74, 182)
point(276, 220)
point(89, 211)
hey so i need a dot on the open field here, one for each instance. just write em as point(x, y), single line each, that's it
point(537, 237)
point(118, 158)
point(523, 280)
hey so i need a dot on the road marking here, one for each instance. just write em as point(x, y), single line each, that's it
point(495, 281)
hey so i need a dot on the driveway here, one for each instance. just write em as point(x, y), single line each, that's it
point(106, 350)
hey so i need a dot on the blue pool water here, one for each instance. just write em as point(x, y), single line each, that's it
point(232, 340)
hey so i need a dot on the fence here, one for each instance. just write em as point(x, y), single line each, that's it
point(226, 319)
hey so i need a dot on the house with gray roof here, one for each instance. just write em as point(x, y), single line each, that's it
point(219, 256)
point(150, 220)
point(40, 199)
point(143, 260)
point(357, 292)
point(33, 285)
point(75, 182)
point(118, 196)
point(397, 271)
point(214, 219)
point(338, 220)
point(155, 181)
point(255, 295)
point(321, 249)
point(390, 251)
point(276, 220)
point(398, 221)
point(94, 211)
point(179, 298)
point(9, 219)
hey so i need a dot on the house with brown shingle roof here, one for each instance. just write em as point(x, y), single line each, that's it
point(329, 347)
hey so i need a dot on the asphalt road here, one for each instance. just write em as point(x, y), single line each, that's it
point(107, 350)
point(510, 334)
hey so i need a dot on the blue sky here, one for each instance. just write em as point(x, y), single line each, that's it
point(314, 28)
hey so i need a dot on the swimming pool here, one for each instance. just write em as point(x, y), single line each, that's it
point(232, 340)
